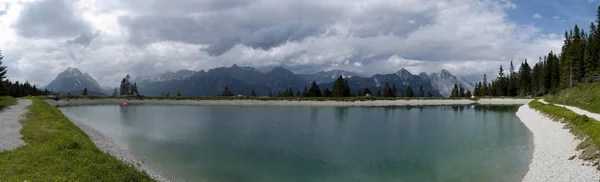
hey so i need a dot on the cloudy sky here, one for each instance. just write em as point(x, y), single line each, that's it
point(111, 38)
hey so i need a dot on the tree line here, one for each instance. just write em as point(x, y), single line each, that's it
point(578, 62)
point(340, 88)
point(16, 89)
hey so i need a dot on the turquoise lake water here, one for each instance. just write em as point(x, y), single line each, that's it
point(293, 143)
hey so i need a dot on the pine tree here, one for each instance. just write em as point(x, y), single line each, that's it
point(486, 91)
point(378, 93)
point(253, 93)
point(367, 91)
point(2, 76)
point(429, 94)
point(85, 92)
point(298, 94)
point(115, 92)
point(410, 92)
point(314, 90)
point(386, 90)
point(227, 92)
point(468, 94)
point(346, 89)
point(394, 91)
point(134, 89)
point(421, 91)
point(359, 93)
point(178, 94)
point(461, 91)
point(454, 92)
point(125, 87)
point(327, 93)
point(525, 78)
point(270, 94)
point(305, 92)
point(340, 88)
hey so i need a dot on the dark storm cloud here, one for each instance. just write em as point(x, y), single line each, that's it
point(50, 18)
point(260, 25)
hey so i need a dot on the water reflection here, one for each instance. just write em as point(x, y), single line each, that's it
point(235, 143)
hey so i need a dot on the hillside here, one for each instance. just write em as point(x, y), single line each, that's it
point(584, 95)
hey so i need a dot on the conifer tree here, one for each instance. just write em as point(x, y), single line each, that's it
point(410, 92)
point(367, 91)
point(2, 76)
point(327, 93)
point(85, 92)
point(314, 90)
point(386, 90)
point(227, 92)
point(253, 93)
point(378, 93)
point(178, 94)
point(421, 91)
point(454, 92)
point(305, 92)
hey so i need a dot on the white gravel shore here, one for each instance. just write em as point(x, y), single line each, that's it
point(10, 127)
point(554, 148)
point(110, 147)
point(412, 102)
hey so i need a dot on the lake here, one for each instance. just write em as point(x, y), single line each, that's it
point(294, 143)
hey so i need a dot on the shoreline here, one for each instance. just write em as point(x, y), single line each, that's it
point(554, 154)
point(107, 145)
point(374, 103)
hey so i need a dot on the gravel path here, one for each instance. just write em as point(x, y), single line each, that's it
point(10, 127)
point(554, 148)
point(110, 147)
point(576, 110)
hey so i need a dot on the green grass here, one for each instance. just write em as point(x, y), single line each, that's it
point(57, 150)
point(7, 101)
point(580, 125)
point(585, 96)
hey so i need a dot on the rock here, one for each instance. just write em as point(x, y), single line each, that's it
point(572, 157)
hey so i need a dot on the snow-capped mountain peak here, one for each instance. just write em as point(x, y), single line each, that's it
point(73, 80)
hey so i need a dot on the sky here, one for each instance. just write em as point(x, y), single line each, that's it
point(111, 38)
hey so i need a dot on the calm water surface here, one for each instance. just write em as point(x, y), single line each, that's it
point(268, 143)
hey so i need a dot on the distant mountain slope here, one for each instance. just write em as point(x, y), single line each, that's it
point(328, 76)
point(241, 80)
point(74, 81)
point(444, 82)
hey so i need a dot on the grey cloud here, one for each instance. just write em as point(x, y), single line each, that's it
point(84, 39)
point(50, 18)
point(262, 25)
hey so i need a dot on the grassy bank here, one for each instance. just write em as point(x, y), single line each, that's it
point(57, 150)
point(584, 96)
point(580, 125)
point(7, 101)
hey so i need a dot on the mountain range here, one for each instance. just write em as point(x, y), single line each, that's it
point(242, 80)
